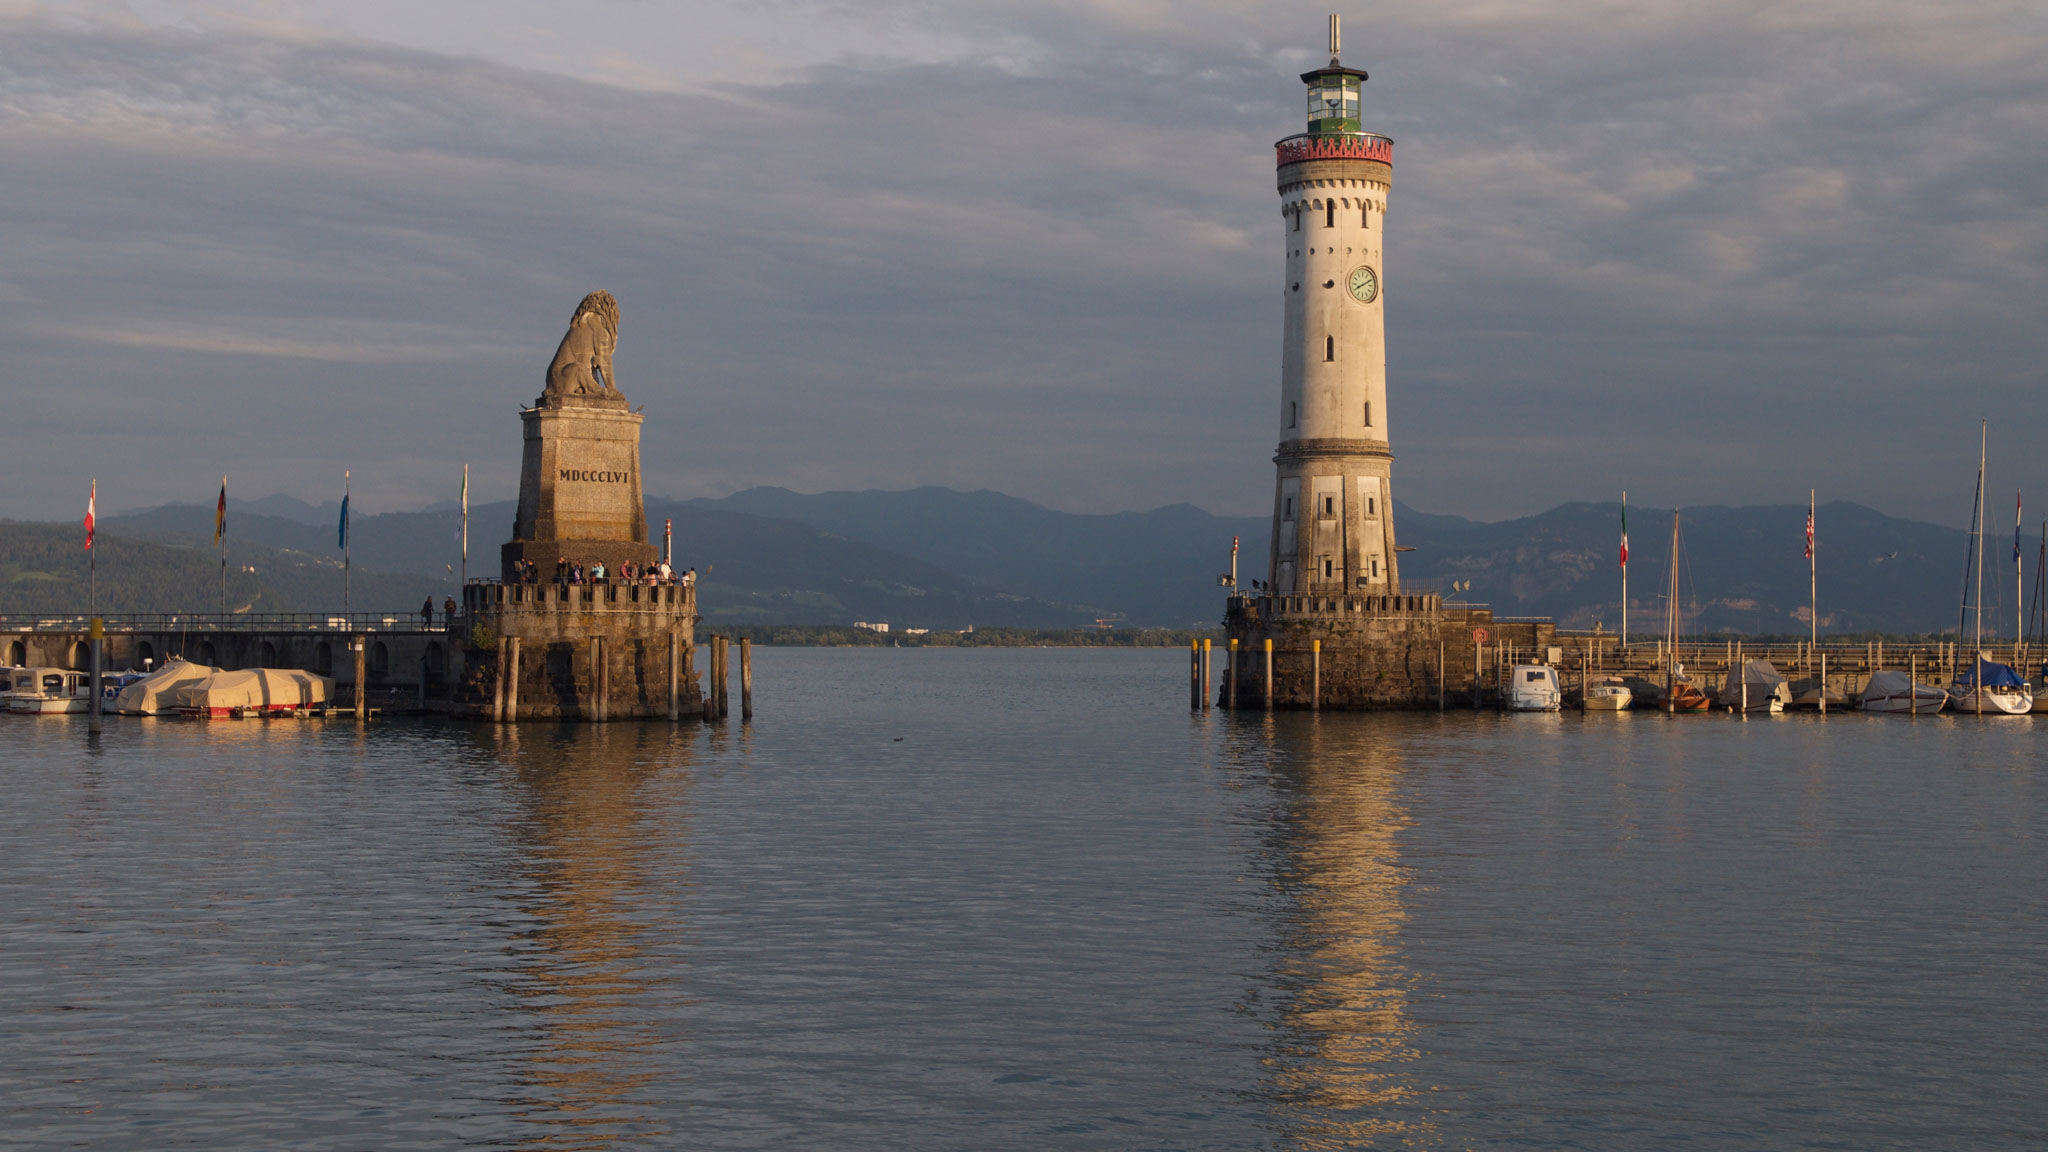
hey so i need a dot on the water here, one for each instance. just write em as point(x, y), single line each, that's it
point(1022, 899)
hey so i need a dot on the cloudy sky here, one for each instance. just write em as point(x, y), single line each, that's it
point(1709, 253)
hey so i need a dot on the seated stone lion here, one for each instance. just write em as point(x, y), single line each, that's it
point(583, 364)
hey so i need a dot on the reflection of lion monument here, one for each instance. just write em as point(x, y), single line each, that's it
point(583, 364)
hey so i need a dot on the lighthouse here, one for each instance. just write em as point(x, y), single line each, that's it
point(1333, 522)
point(1334, 627)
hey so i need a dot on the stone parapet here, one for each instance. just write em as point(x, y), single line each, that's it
point(1377, 652)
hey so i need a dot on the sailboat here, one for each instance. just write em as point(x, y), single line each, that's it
point(1680, 694)
point(1988, 688)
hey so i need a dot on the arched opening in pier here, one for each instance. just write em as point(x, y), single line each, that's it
point(380, 661)
point(81, 656)
point(269, 659)
point(208, 655)
point(17, 653)
point(323, 659)
point(145, 653)
point(436, 665)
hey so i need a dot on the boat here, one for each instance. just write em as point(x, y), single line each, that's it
point(1755, 687)
point(1988, 688)
point(1680, 693)
point(48, 690)
point(1892, 690)
point(1991, 689)
point(1609, 694)
point(1534, 688)
point(152, 695)
point(1807, 691)
point(252, 692)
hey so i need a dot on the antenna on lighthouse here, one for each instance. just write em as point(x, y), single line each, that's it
point(1336, 36)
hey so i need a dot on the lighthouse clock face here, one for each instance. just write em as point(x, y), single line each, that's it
point(1365, 284)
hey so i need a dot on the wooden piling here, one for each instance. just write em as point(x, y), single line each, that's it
point(593, 708)
point(675, 644)
point(498, 695)
point(98, 632)
point(724, 644)
point(746, 678)
point(1194, 675)
point(1206, 681)
point(1315, 676)
point(362, 677)
point(1230, 674)
point(1269, 673)
point(512, 685)
point(1913, 678)
point(1439, 673)
point(1823, 683)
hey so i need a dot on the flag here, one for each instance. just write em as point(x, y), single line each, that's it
point(2016, 529)
point(1624, 531)
point(341, 532)
point(1809, 533)
point(220, 512)
point(91, 504)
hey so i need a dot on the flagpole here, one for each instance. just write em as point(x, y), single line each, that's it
point(92, 557)
point(2019, 583)
point(1624, 569)
point(347, 602)
point(1812, 583)
point(220, 539)
point(465, 526)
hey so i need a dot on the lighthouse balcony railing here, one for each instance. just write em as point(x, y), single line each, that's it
point(489, 596)
point(1335, 146)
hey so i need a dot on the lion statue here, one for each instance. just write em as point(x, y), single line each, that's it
point(583, 364)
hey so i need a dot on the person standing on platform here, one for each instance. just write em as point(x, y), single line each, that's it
point(448, 611)
point(427, 613)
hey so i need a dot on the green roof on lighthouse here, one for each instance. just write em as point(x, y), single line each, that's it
point(1333, 92)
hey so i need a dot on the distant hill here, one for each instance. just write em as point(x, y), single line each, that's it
point(1156, 568)
point(937, 558)
point(43, 570)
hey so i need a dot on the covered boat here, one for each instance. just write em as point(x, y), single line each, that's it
point(1891, 690)
point(1990, 689)
point(1807, 693)
point(1755, 687)
point(152, 695)
point(252, 692)
point(1608, 694)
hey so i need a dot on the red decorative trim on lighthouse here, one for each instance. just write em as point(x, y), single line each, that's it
point(1349, 146)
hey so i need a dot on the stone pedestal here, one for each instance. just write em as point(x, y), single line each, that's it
point(579, 489)
point(562, 674)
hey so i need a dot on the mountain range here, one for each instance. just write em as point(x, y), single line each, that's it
point(938, 558)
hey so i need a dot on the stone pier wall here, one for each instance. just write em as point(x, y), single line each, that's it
point(586, 651)
point(1378, 652)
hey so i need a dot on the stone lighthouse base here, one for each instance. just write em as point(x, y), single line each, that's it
point(1377, 652)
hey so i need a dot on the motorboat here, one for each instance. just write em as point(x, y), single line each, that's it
point(48, 690)
point(1534, 688)
point(1891, 690)
point(1990, 689)
point(252, 692)
point(153, 695)
point(1685, 696)
point(1756, 687)
point(1609, 694)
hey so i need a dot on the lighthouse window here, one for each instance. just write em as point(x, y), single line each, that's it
point(1287, 507)
point(1375, 569)
point(1364, 216)
point(1293, 412)
point(1329, 568)
point(1330, 214)
point(1297, 219)
point(1329, 505)
point(1371, 506)
point(1368, 413)
point(1329, 347)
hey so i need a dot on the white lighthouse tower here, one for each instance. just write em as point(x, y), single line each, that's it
point(1333, 523)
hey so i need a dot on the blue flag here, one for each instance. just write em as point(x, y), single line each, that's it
point(341, 538)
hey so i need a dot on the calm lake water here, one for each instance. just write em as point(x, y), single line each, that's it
point(1023, 899)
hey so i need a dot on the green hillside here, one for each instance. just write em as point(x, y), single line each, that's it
point(43, 570)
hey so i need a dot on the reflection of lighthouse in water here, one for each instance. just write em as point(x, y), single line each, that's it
point(598, 837)
point(1337, 1074)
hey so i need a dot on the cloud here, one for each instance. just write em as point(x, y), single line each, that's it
point(1698, 254)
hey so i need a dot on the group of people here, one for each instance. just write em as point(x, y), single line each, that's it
point(577, 572)
point(427, 612)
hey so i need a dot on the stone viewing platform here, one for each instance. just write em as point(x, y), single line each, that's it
point(606, 651)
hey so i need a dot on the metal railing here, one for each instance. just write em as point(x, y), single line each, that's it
point(340, 623)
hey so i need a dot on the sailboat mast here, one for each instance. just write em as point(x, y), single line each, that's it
point(1671, 625)
point(1981, 440)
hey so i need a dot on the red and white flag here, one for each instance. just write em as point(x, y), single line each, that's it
point(91, 504)
point(1624, 529)
point(1809, 532)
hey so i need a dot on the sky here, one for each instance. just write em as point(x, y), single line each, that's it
point(1707, 254)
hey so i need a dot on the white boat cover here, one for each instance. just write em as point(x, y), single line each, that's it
point(1763, 681)
point(255, 688)
point(151, 695)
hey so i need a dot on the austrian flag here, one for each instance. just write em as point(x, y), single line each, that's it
point(91, 503)
point(1624, 533)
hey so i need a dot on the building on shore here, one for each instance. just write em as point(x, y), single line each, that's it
point(1342, 629)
